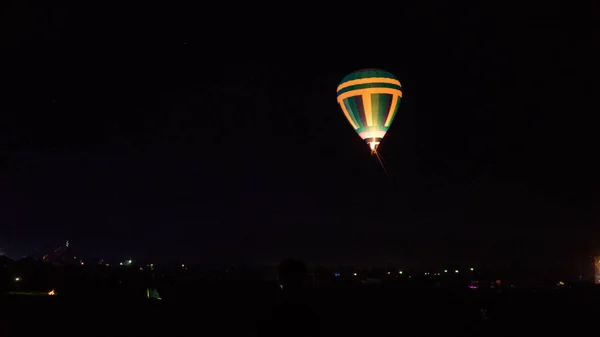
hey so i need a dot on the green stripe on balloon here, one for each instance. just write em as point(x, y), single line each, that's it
point(347, 103)
point(366, 73)
point(369, 85)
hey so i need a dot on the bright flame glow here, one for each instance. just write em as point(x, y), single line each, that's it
point(51, 292)
point(372, 134)
point(373, 145)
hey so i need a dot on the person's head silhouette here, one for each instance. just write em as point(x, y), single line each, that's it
point(291, 274)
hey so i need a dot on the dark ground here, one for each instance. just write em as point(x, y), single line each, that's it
point(260, 309)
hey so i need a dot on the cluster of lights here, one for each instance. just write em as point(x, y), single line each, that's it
point(456, 271)
point(429, 273)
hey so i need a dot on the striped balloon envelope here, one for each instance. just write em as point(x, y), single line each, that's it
point(370, 99)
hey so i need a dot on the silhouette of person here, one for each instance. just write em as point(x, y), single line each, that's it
point(292, 276)
point(292, 314)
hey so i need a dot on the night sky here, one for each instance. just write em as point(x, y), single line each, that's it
point(213, 134)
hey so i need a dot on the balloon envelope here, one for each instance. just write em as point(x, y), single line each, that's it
point(369, 99)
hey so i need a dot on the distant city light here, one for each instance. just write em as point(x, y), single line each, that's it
point(472, 269)
point(400, 272)
point(445, 270)
point(120, 263)
point(183, 265)
point(456, 271)
point(129, 261)
point(355, 274)
point(389, 272)
point(17, 279)
point(336, 274)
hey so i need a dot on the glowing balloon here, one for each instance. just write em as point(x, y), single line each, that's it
point(370, 99)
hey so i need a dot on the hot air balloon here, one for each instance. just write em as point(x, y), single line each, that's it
point(370, 98)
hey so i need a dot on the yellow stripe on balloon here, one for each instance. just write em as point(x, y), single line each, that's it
point(366, 98)
point(368, 81)
point(388, 121)
point(358, 92)
point(348, 115)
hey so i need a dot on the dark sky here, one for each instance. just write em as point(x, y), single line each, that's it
point(212, 133)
